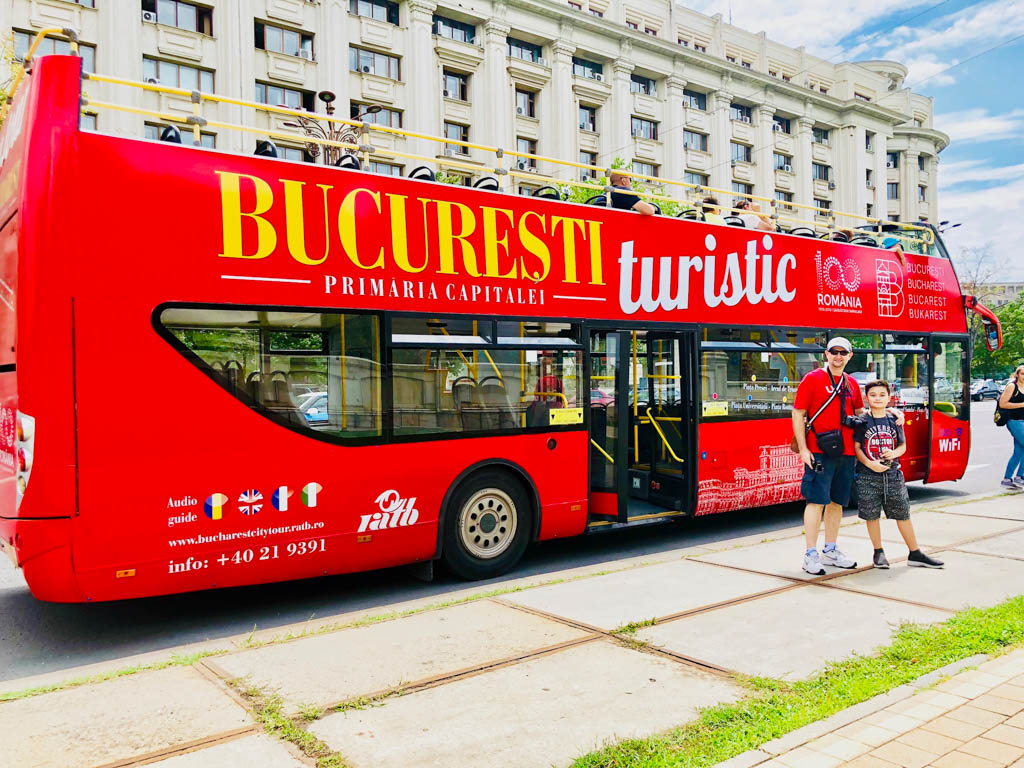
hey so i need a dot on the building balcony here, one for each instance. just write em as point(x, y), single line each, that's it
point(457, 53)
point(822, 188)
point(785, 180)
point(527, 127)
point(742, 130)
point(784, 142)
point(288, 69)
point(534, 74)
point(590, 141)
point(743, 171)
point(376, 33)
point(374, 89)
point(54, 13)
point(821, 153)
point(291, 11)
point(461, 111)
point(694, 118)
point(923, 177)
point(644, 105)
point(697, 160)
point(647, 149)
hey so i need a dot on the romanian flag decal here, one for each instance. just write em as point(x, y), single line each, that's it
point(310, 492)
point(214, 506)
point(280, 498)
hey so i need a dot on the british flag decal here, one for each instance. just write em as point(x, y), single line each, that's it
point(250, 502)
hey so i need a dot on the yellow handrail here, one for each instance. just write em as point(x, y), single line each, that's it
point(19, 73)
point(654, 423)
point(524, 395)
point(602, 450)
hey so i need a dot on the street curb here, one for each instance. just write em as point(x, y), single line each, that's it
point(812, 731)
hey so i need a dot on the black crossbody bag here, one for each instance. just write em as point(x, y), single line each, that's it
point(831, 443)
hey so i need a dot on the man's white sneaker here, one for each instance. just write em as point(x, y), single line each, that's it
point(812, 564)
point(837, 559)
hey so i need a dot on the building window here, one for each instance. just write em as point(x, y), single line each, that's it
point(595, 12)
point(698, 179)
point(644, 85)
point(869, 141)
point(49, 45)
point(87, 122)
point(869, 210)
point(823, 206)
point(588, 118)
point(746, 64)
point(921, 198)
point(177, 75)
point(385, 169)
point(782, 162)
point(584, 68)
point(920, 162)
point(651, 32)
point(892, 159)
point(893, 217)
point(295, 154)
point(694, 140)
point(740, 153)
point(869, 178)
point(784, 199)
point(454, 30)
point(861, 96)
point(781, 124)
point(731, 59)
point(684, 43)
point(456, 132)
point(373, 63)
point(588, 158)
point(175, 13)
point(695, 100)
point(821, 172)
point(519, 49)
point(280, 40)
point(787, 78)
point(819, 135)
point(456, 85)
point(575, 6)
point(277, 96)
point(632, 25)
point(740, 112)
point(892, 191)
point(151, 131)
point(918, 122)
point(526, 103)
point(644, 129)
point(644, 169)
point(526, 147)
point(699, 47)
point(391, 118)
point(85, 3)
point(381, 10)
point(745, 190)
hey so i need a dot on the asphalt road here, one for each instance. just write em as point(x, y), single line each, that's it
point(40, 637)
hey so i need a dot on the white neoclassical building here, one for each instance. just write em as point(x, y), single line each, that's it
point(679, 94)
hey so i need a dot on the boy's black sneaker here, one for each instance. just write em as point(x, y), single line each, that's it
point(920, 560)
point(880, 560)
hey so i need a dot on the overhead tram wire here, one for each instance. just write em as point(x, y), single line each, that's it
point(752, 94)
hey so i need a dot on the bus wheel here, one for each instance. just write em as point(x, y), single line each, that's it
point(487, 526)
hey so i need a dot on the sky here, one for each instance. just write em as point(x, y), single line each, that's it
point(969, 57)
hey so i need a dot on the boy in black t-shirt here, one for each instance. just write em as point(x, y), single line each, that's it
point(879, 442)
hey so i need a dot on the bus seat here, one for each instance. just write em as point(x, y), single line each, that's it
point(487, 182)
point(266, 148)
point(464, 395)
point(690, 213)
point(548, 192)
point(596, 200)
point(864, 240)
point(252, 385)
point(349, 161)
point(538, 414)
point(734, 221)
point(497, 408)
point(422, 173)
point(803, 232)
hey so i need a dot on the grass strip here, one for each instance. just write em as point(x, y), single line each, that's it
point(179, 660)
point(774, 708)
point(267, 709)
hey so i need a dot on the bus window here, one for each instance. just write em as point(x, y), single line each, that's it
point(307, 370)
point(905, 370)
point(752, 384)
point(450, 390)
point(949, 377)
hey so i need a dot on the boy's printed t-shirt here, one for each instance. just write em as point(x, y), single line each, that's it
point(813, 392)
point(877, 435)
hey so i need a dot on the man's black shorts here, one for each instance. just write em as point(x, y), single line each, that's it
point(832, 484)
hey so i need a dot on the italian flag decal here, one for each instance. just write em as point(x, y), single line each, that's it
point(310, 492)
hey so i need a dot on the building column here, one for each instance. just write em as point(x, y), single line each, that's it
point(423, 81)
point(848, 174)
point(620, 112)
point(497, 101)
point(803, 189)
point(721, 135)
point(563, 116)
point(764, 176)
point(908, 186)
point(675, 121)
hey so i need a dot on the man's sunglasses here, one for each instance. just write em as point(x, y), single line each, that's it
point(838, 352)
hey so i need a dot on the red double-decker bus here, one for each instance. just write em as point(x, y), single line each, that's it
point(218, 369)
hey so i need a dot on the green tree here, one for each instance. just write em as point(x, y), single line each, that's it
point(575, 194)
point(998, 364)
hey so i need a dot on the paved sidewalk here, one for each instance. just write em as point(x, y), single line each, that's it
point(550, 670)
point(973, 720)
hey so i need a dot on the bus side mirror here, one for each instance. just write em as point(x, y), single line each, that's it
point(992, 334)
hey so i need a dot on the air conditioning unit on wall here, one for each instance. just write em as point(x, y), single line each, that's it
point(149, 16)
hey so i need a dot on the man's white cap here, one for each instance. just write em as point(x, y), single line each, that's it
point(840, 341)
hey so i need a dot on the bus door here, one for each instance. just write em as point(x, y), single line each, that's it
point(949, 437)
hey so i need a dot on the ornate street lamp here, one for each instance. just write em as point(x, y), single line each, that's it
point(348, 134)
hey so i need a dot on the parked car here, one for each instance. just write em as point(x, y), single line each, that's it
point(314, 408)
point(986, 390)
point(597, 397)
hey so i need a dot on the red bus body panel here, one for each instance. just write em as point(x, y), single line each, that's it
point(131, 438)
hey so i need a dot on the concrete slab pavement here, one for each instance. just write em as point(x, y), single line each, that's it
point(1006, 545)
point(255, 751)
point(539, 713)
point(784, 557)
point(788, 635)
point(1001, 506)
point(940, 529)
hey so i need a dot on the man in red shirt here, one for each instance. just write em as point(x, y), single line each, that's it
point(827, 478)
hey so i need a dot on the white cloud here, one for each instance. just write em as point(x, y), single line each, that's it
point(976, 125)
point(992, 215)
point(975, 172)
point(928, 67)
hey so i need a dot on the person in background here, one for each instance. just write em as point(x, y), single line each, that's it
point(1012, 401)
point(751, 215)
point(628, 200)
point(879, 442)
point(895, 245)
point(712, 213)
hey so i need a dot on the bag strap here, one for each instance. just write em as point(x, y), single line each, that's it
point(835, 391)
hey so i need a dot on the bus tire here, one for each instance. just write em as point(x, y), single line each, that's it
point(487, 526)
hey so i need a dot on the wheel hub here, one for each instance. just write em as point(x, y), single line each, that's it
point(487, 523)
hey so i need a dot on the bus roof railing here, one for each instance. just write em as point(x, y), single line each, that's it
point(823, 220)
